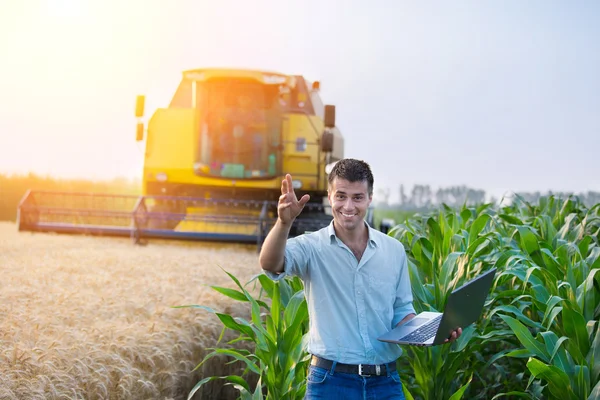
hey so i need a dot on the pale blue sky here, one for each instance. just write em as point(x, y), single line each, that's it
point(495, 95)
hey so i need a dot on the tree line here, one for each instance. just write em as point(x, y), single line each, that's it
point(14, 187)
point(423, 197)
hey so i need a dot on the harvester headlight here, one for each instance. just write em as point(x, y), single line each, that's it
point(161, 177)
point(296, 184)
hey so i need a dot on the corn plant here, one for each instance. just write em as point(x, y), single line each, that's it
point(444, 253)
point(552, 258)
point(278, 332)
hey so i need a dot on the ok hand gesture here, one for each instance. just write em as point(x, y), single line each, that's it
point(289, 206)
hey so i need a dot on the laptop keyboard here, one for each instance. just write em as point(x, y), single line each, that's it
point(424, 332)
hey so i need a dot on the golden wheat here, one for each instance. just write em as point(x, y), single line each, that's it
point(90, 318)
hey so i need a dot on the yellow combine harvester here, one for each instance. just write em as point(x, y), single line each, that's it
point(213, 165)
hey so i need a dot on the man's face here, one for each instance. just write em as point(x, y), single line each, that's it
point(349, 203)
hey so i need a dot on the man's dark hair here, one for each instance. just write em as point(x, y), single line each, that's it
point(353, 171)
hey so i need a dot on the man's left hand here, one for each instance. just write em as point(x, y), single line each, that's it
point(454, 335)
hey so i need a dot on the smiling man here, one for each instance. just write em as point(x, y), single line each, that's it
point(356, 285)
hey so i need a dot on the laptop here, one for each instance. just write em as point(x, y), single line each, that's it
point(464, 306)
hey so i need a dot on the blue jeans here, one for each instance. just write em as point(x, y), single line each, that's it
point(326, 384)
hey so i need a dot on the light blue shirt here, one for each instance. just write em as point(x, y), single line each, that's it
point(351, 303)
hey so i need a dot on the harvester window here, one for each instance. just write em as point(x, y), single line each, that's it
point(239, 119)
point(183, 95)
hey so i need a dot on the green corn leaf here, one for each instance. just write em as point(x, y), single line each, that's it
point(478, 226)
point(540, 293)
point(575, 328)
point(511, 219)
point(240, 357)
point(448, 267)
point(558, 355)
point(205, 381)
point(435, 231)
point(418, 287)
point(582, 381)
point(234, 294)
point(233, 278)
point(525, 338)
point(584, 245)
point(595, 394)
point(296, 302)
point(244, 394)
point(426, 251)
point(529, 242)
point(407, 394)
point(520, 353)
point(276, 311)
point(552, 316)
point(230, 323)
point(461, 391)
point(267, 284)
point(286, 290)
point(547, 228)
point(465, 216)
point(558, 381)
point(517, 313)
point(587, 295)
point(593, 259)
point(563, 232)
point(593, 356)
point(483, 249)
point(552, 263)
point(550, 305)
point(467, 334)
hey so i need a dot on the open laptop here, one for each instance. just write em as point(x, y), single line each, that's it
point(464, 306)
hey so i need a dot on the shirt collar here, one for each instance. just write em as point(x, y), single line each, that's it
point(373, 240)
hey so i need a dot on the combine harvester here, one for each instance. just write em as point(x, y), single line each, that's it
point(213, 165)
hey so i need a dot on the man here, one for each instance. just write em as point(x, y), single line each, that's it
point(356, 284)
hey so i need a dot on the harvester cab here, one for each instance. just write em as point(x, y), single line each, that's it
point(213, 163)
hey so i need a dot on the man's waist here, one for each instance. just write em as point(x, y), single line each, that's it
point(360, 369)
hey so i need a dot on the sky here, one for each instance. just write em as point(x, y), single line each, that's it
point(500, 96)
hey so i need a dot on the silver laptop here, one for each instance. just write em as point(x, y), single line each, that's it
point(464, 306)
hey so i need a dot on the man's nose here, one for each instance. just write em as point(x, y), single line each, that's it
point(349, 204)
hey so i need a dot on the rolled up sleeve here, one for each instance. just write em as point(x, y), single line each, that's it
point(295, 259)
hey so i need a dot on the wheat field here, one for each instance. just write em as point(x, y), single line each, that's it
point(91, 317)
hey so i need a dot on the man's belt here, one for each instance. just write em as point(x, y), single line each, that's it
point(360, 369)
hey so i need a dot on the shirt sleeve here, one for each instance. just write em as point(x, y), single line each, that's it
point(295, 260)
point(403, 305)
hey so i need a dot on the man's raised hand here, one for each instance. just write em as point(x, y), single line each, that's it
point(289, 206)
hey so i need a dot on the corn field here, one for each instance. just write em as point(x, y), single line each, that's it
point(538, 337)
point(94, 318)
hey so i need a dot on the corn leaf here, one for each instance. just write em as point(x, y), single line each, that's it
point(526, 339)
point(478, 226)
point(234, 294)
point(459, 393)
point(595, 394)
point(558, 381)
point(575, 328)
